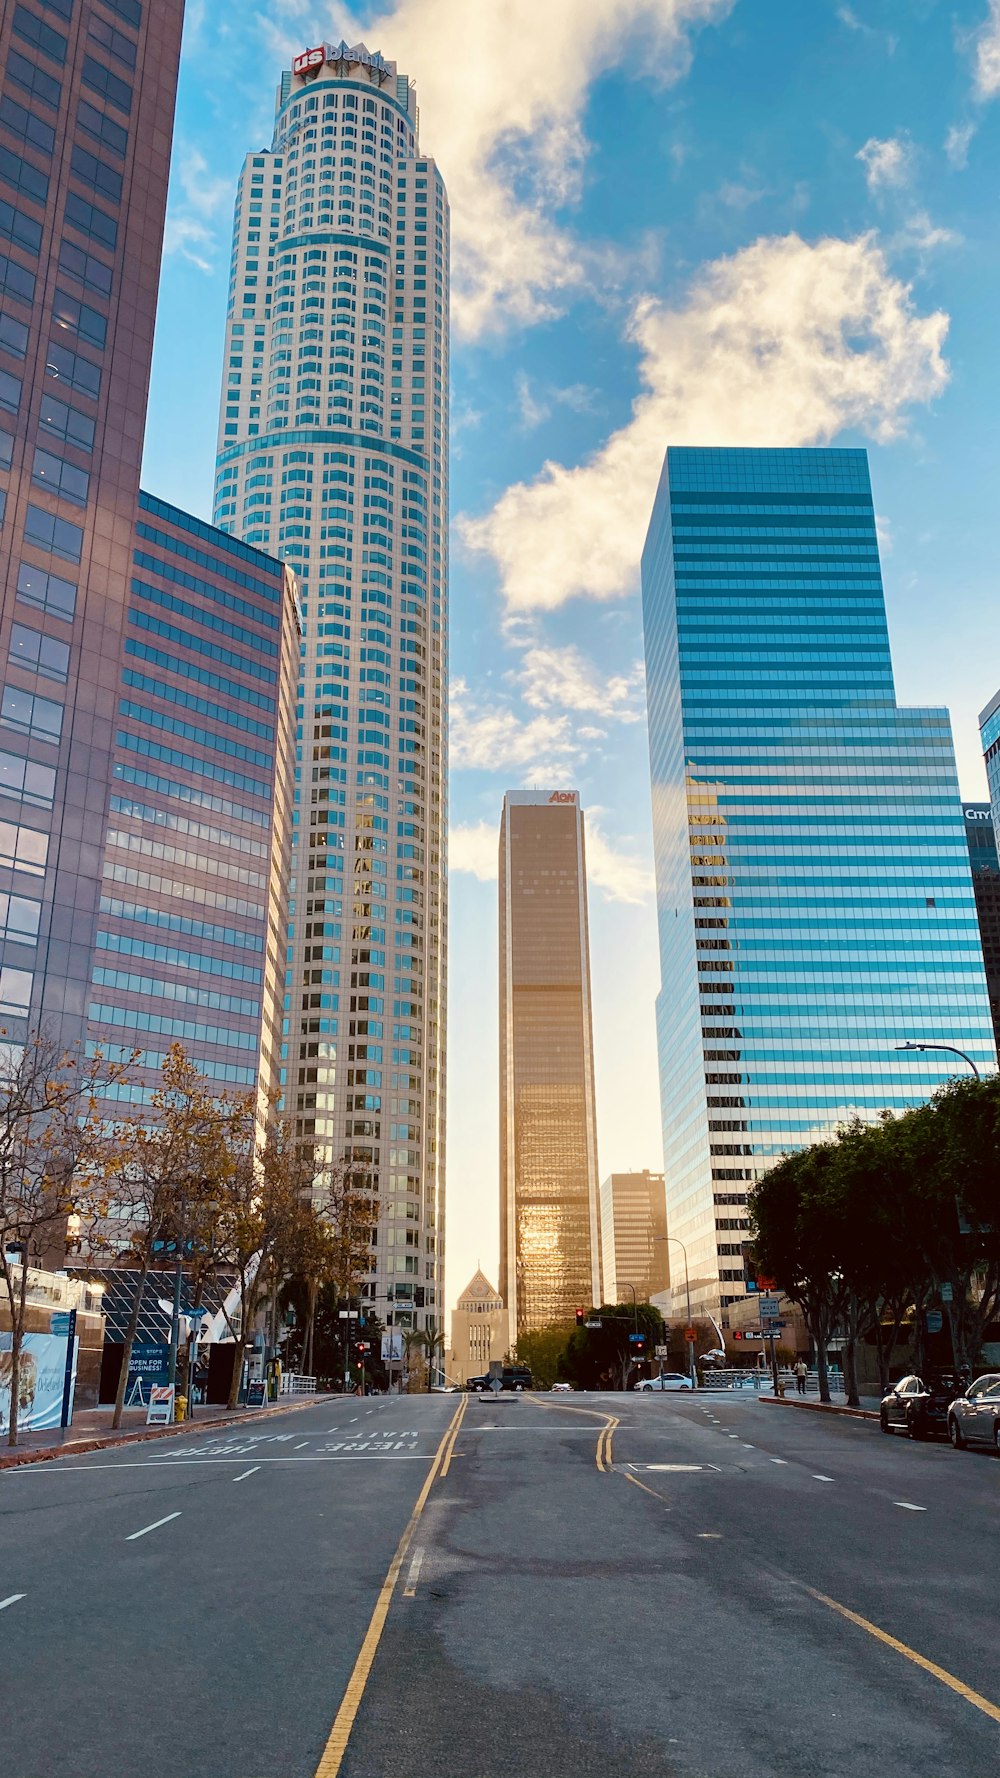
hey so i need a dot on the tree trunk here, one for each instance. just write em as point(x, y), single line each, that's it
point(16, 1338)
point(133, 1323)
point(851, 1372)
point(313, 1298)
point(240, 1349)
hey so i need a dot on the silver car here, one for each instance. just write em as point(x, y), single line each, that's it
point(974, 1418)
point(668, 1380)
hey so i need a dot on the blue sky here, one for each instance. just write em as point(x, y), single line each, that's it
point(687, 221)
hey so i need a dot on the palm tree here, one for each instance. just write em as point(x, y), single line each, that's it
point(413, 1342)
point(433, 1344)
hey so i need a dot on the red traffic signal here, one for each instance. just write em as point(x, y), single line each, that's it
point(580, 1317)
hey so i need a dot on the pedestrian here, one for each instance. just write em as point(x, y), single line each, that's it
point(801, 1373)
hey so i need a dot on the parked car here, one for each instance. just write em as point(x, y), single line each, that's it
point(668, 1380)
point(974, 1417)
point(920, 1405)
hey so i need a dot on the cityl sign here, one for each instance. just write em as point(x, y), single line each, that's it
point(338, 52)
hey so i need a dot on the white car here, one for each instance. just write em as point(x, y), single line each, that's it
point(667, 1380)
point(561, 1389)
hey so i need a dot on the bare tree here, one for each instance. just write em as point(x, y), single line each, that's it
point(259, 1218)
point(172, 1160)
point(53, 1158)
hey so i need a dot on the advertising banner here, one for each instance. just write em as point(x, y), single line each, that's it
point(147, 1366)
point(392, 1346)
point(43, 1374)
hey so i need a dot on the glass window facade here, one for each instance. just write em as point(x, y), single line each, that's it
point(333, 302)
point(550, 1237)
point(815, 901)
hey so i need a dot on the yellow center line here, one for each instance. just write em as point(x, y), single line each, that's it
point(603, 1453)
point(910, 1654)
point(631, 1478)
point(456, 1426)
point(336, 1746)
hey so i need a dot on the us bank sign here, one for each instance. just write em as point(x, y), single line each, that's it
point(312, 59)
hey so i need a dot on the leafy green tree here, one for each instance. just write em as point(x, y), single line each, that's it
point(542, 1349)
point(602, 1358)
point(797, 1237)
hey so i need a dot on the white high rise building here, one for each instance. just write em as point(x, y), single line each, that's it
point(333, 454)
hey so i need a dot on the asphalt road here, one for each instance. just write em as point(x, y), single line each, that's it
point(673, 1606)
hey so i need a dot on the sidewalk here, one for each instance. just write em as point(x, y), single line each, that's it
point(869, 1409)
point(91, 1429)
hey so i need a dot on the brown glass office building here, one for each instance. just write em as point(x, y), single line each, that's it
point(87, 91)
point(550, 1238)
point(150, 660)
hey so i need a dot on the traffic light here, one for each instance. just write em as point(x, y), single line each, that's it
point(637, 1345)
point(580, 1317)
point(749, 1268)
point(362, 1347)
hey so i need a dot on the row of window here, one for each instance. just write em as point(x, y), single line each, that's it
point(188, 793)
point(25, 781)
point(191, 762)
point(127, 1018)
point(156, 988)
point(190, 731)
point(191, 928)
point(218, 836)
point(199, 960)
point(156, 885)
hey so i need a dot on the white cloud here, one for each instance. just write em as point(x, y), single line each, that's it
point(531, 411)
point(621, 876)
point(535, 408)
point(887, 163)
point(987, 69)
point(493, 738)
point(195, 202)
point(784, 343)
point(502, 89)
point(191, 238)
point(956, 145)
point(562, 676)
point(474, 849)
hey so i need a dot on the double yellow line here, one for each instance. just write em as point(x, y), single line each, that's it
point(452, 1434)
point(336, 1746)
point(604, 1438)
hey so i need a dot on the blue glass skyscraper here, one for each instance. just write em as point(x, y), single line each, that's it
point(814, 894)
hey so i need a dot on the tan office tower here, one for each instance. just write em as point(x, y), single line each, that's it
point(550, 1237)
point(333, 456)
point(634, 1235)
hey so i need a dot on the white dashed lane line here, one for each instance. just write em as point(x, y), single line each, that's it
point(822, 1478)
point(246, 1472)
point(155, 1526)
point(780, 1460)
point(908, 1506)
point(12, 1599)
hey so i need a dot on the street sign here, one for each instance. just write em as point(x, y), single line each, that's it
point(934, 1321)
point(946, 1293)
point(690, 1335)
point(59, 1322)
point(661, 1351)
point(160, 1411)
point(768, 1308)
point(749, 1333)
point(593, 1324)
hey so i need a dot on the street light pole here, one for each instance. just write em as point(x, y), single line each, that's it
point(949, 1048)
point(687, 1292)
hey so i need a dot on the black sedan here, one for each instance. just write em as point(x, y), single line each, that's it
point(974, 1415)
point(921, 1407)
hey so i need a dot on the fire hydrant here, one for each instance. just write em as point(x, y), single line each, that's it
point(180, 1407)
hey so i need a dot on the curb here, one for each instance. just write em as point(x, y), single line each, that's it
point(818, 1407)
point(82, 1447)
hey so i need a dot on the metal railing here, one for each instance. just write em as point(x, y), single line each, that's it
point(294, 1384)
